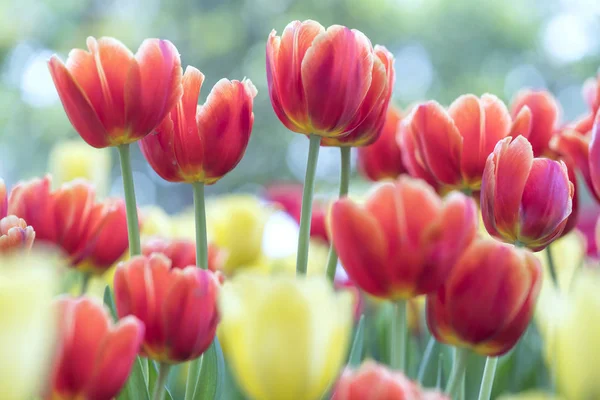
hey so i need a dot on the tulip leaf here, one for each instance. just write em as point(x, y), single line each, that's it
point(110, 302)
point(193, 374)
point(212, 372)
point(153, 376)
point(357, 344)
point(135, 388)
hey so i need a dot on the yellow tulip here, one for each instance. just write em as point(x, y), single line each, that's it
point(318, 253)
point(27, 286)
point(530, 395)
point(285, 338)
point(76, 159)
point(155, 222)
point(568, 254)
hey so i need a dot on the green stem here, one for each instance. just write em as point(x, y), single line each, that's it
point(133, 228)
point(427, 356)
point(458, 370)
point(551, 266)
point(200, 214)
point(85, 282)
point(161, 381)
point(399, 336)
point(307, 197)
point(487, 380)
point(344, 184)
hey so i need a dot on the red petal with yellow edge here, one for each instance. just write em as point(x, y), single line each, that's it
point(158, 149)
point(497, 125)
point(413, 194)
point(273, 45)
point(412, 159)
point(521, 125)
point(79, 110)
point(469, 117)
point(544, 112)
point(336, 75)
point(72, 205)
point(361, 246)
point(438, 142)
point(438, 318)
point(574, 146)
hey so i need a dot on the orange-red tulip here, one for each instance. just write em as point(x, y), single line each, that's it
point(15, 234)
point(449, 147)
point(383, 159)
point(488, 299)
point(373, 381)
point(114, 97)
point(525, 200)
point(3, 199)
point(392, 251)
point(182, 252)
point(325, 81)
point(178, 306)
point(95, 357)
point(202, 143)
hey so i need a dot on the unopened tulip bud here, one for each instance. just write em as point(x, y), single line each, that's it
point(15, 235)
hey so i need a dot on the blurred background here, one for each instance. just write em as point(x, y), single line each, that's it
point(443, 48)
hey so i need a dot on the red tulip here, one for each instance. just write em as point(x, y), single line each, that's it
point(525, 200)
point(325, 82)
point(542, 120)
point(488, 299)
point(383, 159)
point(373, 381)
point(389, 250)
point(202, 143)
point(15, 234)
point(113, 97)
point(449, 147)
point(95, 357)
point(591, 93)
point(178, 306)
point(182, 252)
point(3, 200)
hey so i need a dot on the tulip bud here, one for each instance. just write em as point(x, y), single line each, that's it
point(326, 82)
point(373, 381)
point(284, 337)
point(182, 252)
point(113, 97)
point(95, 356)
point(393, 252)
point(488, 299)
point(177, 306)
point(15, 234)
point(202, 143)
point(525, 200)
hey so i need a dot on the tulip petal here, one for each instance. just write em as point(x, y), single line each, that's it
point(32, 202)
point(594, 156)
point(575, 147)
point(469, 117)
point(544, 112)
point(522, 123)
point(411, 158)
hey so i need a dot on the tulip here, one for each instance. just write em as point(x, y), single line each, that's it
point(95, 356)
point(284, 338)
point(74, 159)
point(3, 200)
point(448, 148)
point(182, 252)
point(525, 200)
point(15, 234)
point(373, 381)
point(177, 306)
point(202, 143)
point(393, 252)
point(28, 284)
point(113, 97)
point(383, 159)
point(488, 299)
point(326, 82)
point(543, 114)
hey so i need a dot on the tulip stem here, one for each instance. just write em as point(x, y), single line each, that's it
point(458, 370)
point(551, 266)
point(426, 359)
point(133, 228)
point(487, 380)
point(344, 184)
point(161, 382)
point(85, 282)
point(200, 215)
point(399, 336)
point(307, 197)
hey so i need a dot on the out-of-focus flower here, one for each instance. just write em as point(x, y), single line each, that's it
point(325, 82)
point(3, 199)
point(383, 159)
point(156, 222)
point(449, 148)
point(488, 299)
point(95, 357)
point(15, 234)
point(541, 121)
point(391, 251)
point(568, 255)
point(373, 381)
point(177, 306)
point(531, 395)
point(74, 159)
point(202, 143)
point(285, 338)
point(236, 224)
point(113, 97)
point(318, 252)
point(289, 196)
point(27, 284)
point(587, 226)
point(182, 252)
point(525, 200)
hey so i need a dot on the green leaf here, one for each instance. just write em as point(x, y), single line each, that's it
point(192, 378)
point(135, 388)
point(357, 344)
point(152, 374)
point(212, 373)
point(110, 303)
